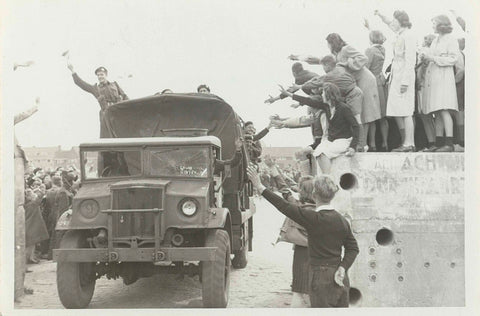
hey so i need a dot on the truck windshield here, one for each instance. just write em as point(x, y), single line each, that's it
point(185, 162)
point(109, 163)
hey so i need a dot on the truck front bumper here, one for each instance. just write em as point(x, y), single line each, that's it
point(134, 255)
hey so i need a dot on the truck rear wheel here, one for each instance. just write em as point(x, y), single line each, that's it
point(216, 273)
point(75, 280)
point(240, 258)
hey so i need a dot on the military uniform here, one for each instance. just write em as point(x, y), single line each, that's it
point(106, 94)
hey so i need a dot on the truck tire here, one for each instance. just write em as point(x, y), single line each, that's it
point(75, 280)
point(216, 274)
point(240, 258)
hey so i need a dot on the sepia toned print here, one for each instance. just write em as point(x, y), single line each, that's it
point(230, 161)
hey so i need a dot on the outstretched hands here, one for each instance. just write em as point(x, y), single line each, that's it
point(308, 59)
point(253, 176)
point(366, 24)
point(70, 66)
point(284, 91)
point(271, 99)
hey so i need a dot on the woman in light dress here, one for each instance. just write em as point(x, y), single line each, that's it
point(401, 96)
point(440, 97)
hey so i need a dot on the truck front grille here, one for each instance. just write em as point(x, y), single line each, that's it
point(136, 224)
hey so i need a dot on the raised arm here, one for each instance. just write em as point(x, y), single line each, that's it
point(26, 114)
point(82, 84)
point(291, 210)
point(312, 60)
point(262, 133)
point(384, 18)
point(459, 19)
point(298, 122)
point(314, 102)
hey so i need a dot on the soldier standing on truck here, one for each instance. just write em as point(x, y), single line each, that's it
point(107, 93)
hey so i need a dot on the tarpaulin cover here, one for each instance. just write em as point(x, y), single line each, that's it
point(148, 117)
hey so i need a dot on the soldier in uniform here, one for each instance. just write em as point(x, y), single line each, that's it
point(106, 93)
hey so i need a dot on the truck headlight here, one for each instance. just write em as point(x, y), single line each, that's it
point(89, 209)
point(188, 207)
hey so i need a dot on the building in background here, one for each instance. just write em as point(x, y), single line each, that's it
point(52, 157)
point(284, 156)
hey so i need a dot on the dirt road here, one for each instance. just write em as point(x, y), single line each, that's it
point(265, 282)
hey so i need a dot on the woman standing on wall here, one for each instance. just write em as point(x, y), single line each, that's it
point(401, 96)
point(376, 58)
point(354, 61)
point(441, 94)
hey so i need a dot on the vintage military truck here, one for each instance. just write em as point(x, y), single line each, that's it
point(152, 201)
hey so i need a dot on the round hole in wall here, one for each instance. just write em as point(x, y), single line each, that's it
point(354, 296)
point(348, 181)
point(384, 236)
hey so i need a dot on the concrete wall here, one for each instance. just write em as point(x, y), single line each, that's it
point(418, 201)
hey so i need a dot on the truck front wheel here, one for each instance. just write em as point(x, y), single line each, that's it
point(216, 273)
point(75, 280)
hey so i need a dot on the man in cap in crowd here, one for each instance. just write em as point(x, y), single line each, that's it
point(106, 93)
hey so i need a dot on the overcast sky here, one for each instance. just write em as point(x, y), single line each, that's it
point(238, 48)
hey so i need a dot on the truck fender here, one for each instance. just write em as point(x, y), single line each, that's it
point(63, 222)
point(217, 217)
point(220, 218)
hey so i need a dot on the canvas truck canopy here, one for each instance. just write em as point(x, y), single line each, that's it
point(151, 116)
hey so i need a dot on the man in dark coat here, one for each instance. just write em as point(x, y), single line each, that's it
point(57, 201)
point(106, 93)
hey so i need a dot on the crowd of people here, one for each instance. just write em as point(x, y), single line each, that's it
point(48, 193)
point(346, 106)
point(423, 87)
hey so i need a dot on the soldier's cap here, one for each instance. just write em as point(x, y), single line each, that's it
point(101, 69)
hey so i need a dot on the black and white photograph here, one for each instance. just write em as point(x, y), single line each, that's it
point(166, 156)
